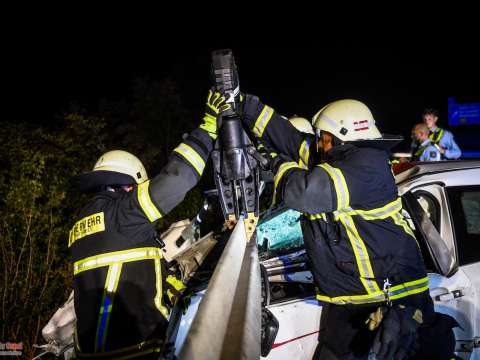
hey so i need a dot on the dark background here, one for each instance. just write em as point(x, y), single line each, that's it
point(40, 79)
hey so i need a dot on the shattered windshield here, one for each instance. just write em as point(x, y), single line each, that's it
point(279, 233)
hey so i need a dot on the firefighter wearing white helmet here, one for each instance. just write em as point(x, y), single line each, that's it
point(363, 254)
point(123, 289)
point(113, 169)
point(301, 124)
point(348, 120)
point(304, 127)
point(122, 162)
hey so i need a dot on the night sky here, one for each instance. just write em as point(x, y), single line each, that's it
point(396, 82)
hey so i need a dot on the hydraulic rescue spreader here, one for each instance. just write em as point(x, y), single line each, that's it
point(235, 158)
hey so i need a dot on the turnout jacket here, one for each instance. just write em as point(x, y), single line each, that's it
point(361, 248)
point(123, 293)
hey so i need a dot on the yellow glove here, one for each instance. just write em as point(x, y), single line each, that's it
point(175, 287)
point(214, 107)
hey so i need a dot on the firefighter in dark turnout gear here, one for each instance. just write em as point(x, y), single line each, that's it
point(362, 252)
point(123, 290)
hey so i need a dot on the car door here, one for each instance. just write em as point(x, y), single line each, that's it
point(291, 297)
point(432, 209)
point(464, 202)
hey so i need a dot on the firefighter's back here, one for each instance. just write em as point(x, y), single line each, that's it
point(117, 275)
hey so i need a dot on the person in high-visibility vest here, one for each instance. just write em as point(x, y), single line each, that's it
point(441, 138)
point(424, 149)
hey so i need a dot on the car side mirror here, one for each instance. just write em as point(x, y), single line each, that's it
point(270, 327)
point(270, 323)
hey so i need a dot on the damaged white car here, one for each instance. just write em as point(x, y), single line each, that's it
point(441, 202)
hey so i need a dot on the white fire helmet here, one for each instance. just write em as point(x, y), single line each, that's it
point(301, 124)
point(348, 120)
point(122, 162)
point(116, 167)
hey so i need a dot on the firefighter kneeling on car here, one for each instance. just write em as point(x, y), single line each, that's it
point(123, 290)
point(364, 257)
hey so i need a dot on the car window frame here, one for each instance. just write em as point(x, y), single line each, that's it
point(432, 240)
point(454, 216)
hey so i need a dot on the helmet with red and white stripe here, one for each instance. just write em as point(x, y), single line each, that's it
point(348, 120)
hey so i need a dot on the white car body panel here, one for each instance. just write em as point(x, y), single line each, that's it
point(434, 178)
point(298, 332)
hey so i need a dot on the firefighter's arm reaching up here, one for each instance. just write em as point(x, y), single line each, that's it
point(274, 130)
point(185, 167)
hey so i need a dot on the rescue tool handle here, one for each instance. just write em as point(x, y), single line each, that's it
point(225, 78)
point(234, 156)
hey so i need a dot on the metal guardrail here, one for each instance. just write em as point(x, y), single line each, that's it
point(228, 322)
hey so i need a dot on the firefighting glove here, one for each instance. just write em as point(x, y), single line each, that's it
point(214, 107)
point(174, 288)
point(268, 156)
point(397, 333)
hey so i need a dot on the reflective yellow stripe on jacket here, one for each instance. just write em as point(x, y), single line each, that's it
point(279, 175)
point(304, 154)
point(343, 196)
point(392, 210)
point(121, 257)
point(124, 256)
point(396, 292)
point(367, 277)
point(146, 202)
point(262, 121)
point(374, 214)
point(191, 156)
